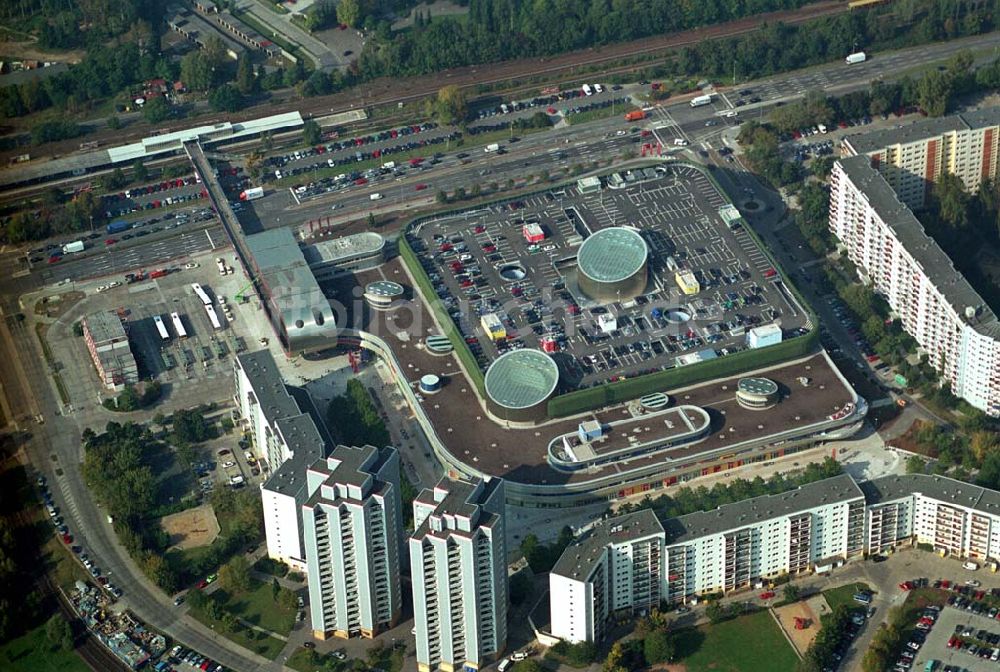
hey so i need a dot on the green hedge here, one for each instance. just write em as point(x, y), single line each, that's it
point(409, 258)
point(663, 381)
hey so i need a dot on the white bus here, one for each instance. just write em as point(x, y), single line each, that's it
point(175, 319)
point(162, 328)
point(201, 294)
point(213, 317)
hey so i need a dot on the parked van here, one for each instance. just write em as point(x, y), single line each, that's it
point(375, 197)
point(504, 664)
point(971, 566)
point(863, 598)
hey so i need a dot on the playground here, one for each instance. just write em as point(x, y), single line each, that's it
point(192, 528)
point(801, 620)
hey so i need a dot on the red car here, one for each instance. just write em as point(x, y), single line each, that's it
point(489, 249)
point(110, 241)
point(906, 585)
point(767, 595)
point(420, 187)
point(360, 181)
point(770, 273)
point(67, 539)
point(201, 584)
point(55, 259)
point(480, 228)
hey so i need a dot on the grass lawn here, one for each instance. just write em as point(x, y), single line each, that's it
point(747, 644)
point(33, 653)
point(845, 595)
point(302, 660)
point(258, 642)
point(599, 113)
point(256, 606)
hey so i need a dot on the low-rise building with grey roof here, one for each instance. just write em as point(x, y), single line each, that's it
point(736, 545)
point(353, 527)
point(458, 563)
point(936, 305)
point(913, 156)
point(613, 568)
point(107, 342)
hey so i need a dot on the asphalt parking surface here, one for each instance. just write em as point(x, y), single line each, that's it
point(537, 299)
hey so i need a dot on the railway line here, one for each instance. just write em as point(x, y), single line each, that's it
point(388, 91)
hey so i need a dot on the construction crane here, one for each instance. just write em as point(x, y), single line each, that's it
point(241, 295)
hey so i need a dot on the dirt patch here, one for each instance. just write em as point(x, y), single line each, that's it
point(57, 304)
point(192, 528)
point(910, 440)
point(810, 611)
point(30, 51)
point(669, 667)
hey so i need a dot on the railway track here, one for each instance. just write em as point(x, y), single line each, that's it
point(387, 91)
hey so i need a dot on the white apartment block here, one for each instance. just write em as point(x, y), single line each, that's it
point(286, 441)
point(353, 532)
point(614, 568)
point(935, 304)
point(458, 563)
point(802, 530)
point(956, 518)
point(913, 157)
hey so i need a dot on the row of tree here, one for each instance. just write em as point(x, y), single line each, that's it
point(687, 500)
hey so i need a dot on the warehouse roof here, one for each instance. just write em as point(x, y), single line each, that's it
point(580, 557)
point(936, 265)
point(105, 326)
point(687, 528)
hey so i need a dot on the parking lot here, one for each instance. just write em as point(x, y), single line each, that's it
point(967, 634)
point(482, 263)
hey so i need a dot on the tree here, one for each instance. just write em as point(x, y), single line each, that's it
point(716, 612)
point(114, 123)
point(349, 12)
point(235, 574)
point(658, 647)
point(246, 81)
point(915, 464)
point(529, 665)
point(441, 196)
point(156, 110)
point(520, 588)
point(450, 106)
point(791, 593)
point(311, 133)
point(59, 633)
point(275, 589)
point(934, 93)
point(373, 222)
point(225, 98)
point(287, 599)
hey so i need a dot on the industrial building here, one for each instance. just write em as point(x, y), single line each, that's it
point(911, 158)
point(353, 531)
point(458, 564)
point(286, 441)
point(107, 342)
point(614, 568)
point(519, 384)
point(300, 312)
point(936, 305)
point(763, 336)
point(612, 265)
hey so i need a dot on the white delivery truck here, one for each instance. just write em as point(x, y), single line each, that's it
point(856, 57)
point(375, 197)
point(587, 91)
point(75, 246)
point(698, 101)
point(252, 194)
point(494, 147)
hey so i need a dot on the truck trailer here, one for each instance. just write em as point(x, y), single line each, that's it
point(856, 57)
point(252, 194)
point(493, 147)
point(698, 101)
point(75, 246)
point(635, 115)
point(118, 226)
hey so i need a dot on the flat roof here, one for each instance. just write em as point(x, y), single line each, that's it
point(349, 465)
point(521, 378)
point(269, 388)
point(686, 528)
point(384, 288)
point(580, 557)
point(105, 326)
point(343, 249)
point(928, 255)
point(462, 498)
point(612, 254)
point(941, 488)
point(923, 129)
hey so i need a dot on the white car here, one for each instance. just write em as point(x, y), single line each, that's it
point(102, 288)
point(190, 265)
point(518, 655)
point(973, 583)
point(680, 142)
point(228, 465)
